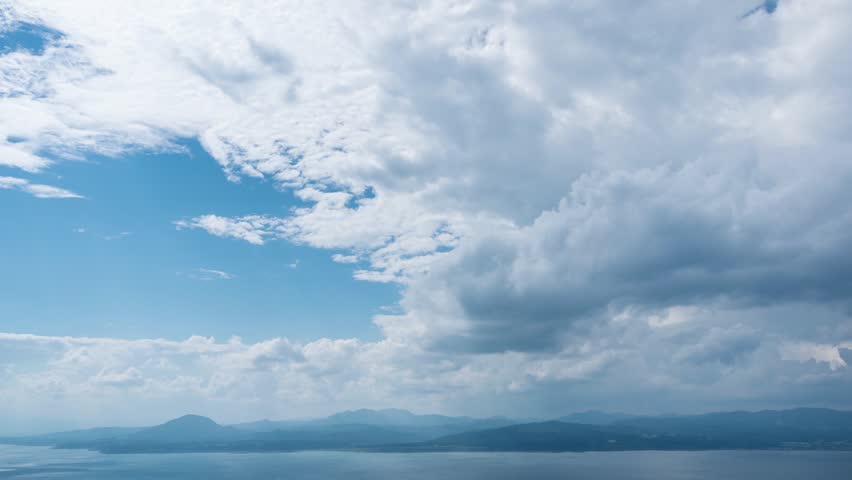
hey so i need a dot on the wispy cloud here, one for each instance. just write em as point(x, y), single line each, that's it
point(117, 236)
point(210, 274)
point(109, 237)
point(36, 189)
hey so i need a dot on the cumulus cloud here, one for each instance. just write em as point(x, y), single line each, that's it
point(562, 189)
point(695, 234)
point(103, 379)
point(806, 351)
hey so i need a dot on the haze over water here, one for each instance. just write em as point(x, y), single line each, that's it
point(44, 463)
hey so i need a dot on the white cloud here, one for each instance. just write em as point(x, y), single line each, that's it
point(675, 315)
point(527, 171)
point(35, 189)
point(127, 378)
point(210, 274)
point(340, 258)
point(158, 378)
point(805, 351)
point(252, 229)
point(117, 236)
point(15, 157)
point(109, 238)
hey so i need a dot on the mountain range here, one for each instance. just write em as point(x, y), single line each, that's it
point(395, 430)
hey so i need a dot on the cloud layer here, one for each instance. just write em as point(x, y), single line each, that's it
point(103, 380)
point(566, 191)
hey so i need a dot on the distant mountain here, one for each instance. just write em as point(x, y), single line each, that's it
point(189, 428)
point(420, 426)
point(326, 437)
point(787, 429)
point(228, 439)
point(271, 425)
point(390, 418)
point(187, 433)
point(192, 433)
point(400, 430)
point(386, 418)
point(595, 417)
point(796, 425)
point(552, 436)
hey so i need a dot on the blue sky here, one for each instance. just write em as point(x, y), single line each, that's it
point(283, 209)
point(131, 273)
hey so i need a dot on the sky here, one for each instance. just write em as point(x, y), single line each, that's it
point(283, 209)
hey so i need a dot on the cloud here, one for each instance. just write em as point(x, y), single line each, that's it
point(108, 378)
point(564, 191)
point(14, 157)
point(804, 352)
point(128, 378)
point(340, 258)
point(698, 234)
point(35, 189)
point(109, 238)
point(723, 346)
point(117, 236)
point(253, 229)
point(210, 274)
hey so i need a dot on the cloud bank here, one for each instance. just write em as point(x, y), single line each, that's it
point(565, 191)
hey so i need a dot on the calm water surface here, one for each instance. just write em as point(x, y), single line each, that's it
point(45, 463)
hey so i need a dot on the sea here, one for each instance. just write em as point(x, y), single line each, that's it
point(46, 463)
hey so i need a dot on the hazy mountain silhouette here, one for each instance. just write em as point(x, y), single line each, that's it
point(267, 425)
point(411, 425)
point(552, 436)
point(802, 428)
point(796, 425)
point(595, 417)
point(400, 430)
point(391, 416)
point(189, 428)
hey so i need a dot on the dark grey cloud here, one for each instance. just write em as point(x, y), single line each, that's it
point(697, 234)
point(726, 347)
